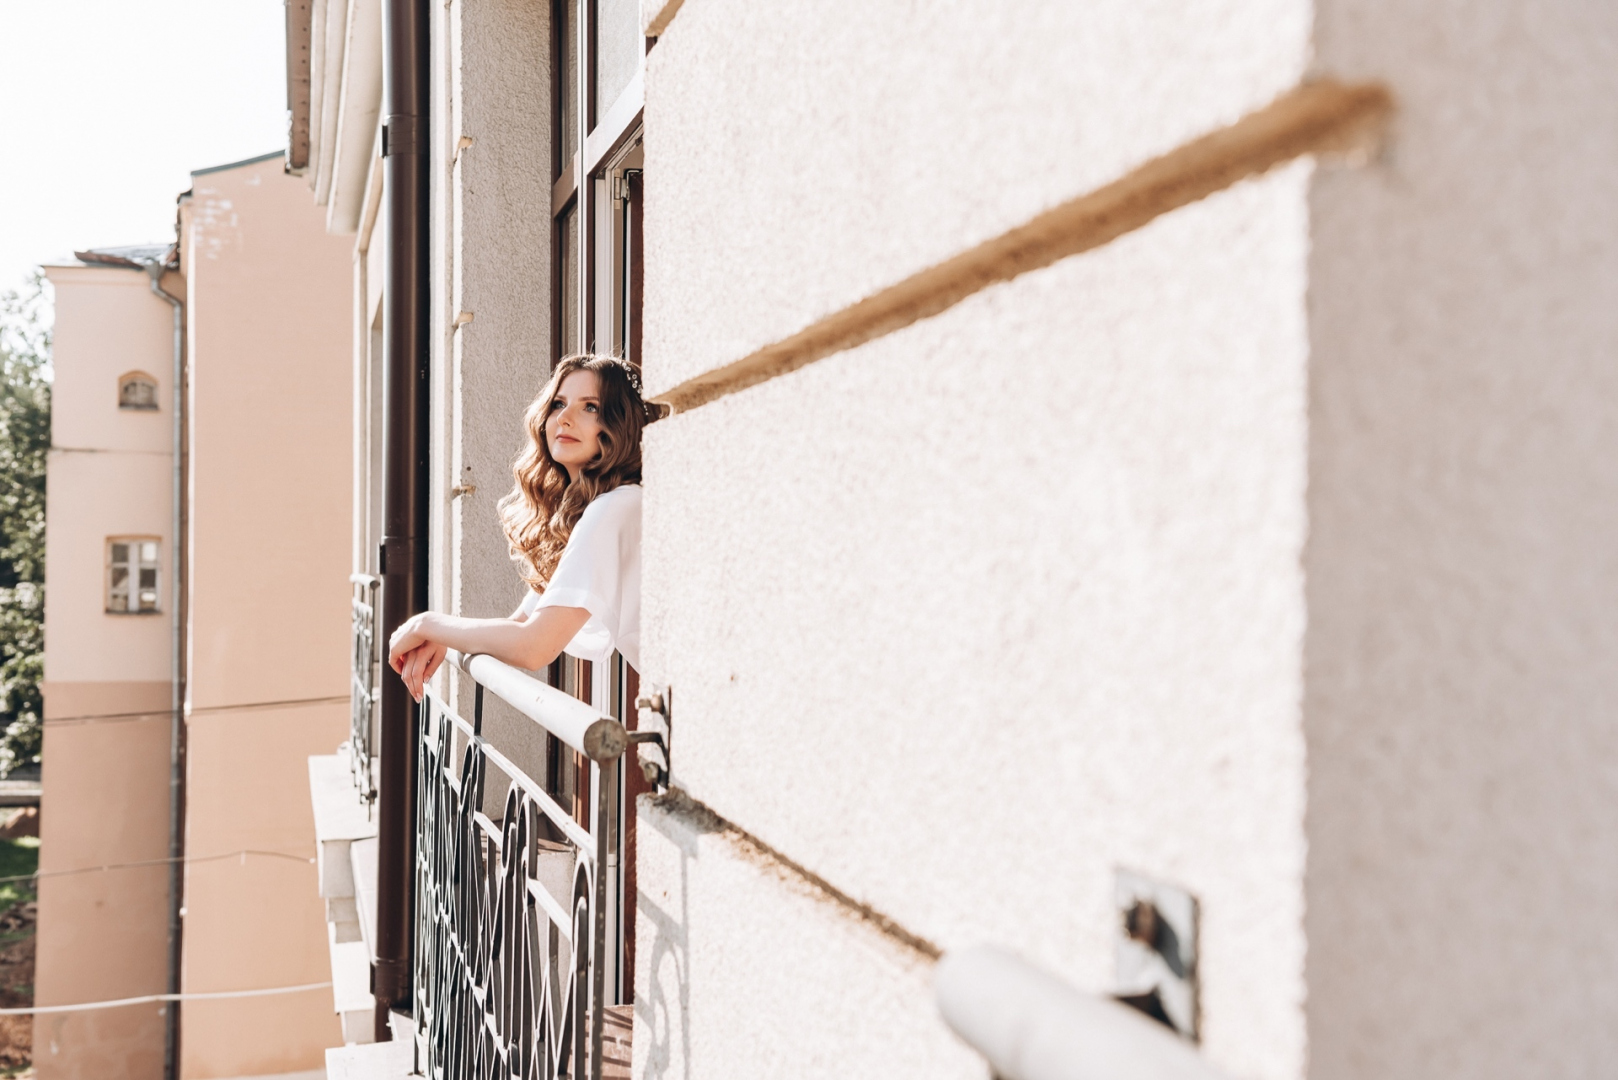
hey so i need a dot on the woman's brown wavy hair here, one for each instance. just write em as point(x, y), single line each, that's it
point(539, 514)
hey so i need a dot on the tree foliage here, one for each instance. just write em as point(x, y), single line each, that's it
point(25, 436)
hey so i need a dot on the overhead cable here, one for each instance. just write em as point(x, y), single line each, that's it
point(37, 874)
point(217, 995)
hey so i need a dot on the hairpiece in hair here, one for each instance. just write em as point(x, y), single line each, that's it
point(633, 374)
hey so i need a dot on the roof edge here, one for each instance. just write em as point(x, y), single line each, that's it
point(238, 164)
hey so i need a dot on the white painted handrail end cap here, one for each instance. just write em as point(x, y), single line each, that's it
point(1030, 1025)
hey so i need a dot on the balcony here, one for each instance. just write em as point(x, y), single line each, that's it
point(520, 959)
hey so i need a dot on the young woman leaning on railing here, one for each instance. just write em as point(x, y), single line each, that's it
point(573, 521)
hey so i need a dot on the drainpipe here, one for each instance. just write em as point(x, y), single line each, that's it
point(155, 269)
point(403, 558)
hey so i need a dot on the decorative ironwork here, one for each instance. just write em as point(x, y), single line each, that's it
point(511, 948)
point(365, 664)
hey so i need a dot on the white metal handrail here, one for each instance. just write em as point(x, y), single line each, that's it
point(597, 737)
point(1030, 1025)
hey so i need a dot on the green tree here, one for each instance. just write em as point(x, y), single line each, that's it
point(25, 438)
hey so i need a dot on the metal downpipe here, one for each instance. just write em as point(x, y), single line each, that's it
point(155, 270)
point(403, 558)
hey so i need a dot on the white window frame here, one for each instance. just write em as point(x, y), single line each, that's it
point(130, 596)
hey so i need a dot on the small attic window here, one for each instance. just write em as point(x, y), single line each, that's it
point(137, 390)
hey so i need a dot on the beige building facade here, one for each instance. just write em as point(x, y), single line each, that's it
point(107, 687)
point(267, 309)
point(1113, 454)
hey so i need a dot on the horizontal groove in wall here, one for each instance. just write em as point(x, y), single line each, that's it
point(1318, 117)
point(697, 815)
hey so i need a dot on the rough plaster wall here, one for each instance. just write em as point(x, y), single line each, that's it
point(719, 935)
point(1461, 565)
point(800, 156)
point(499, 201)
point(970, 616)
point(502, 272)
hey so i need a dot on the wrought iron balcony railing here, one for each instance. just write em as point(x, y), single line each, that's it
point(364, 670)
point(513, 947)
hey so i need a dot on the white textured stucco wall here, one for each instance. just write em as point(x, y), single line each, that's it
point(968, 618)
point(750, 975)
point(971, 616)
point(801, 156)
point(1462, 567)
point(1266, 550)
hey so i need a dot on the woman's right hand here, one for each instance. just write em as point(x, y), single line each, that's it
point(414, 654)
point(413, 633)
point(419, 665)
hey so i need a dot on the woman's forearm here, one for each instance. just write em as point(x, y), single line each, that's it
point(528, 644)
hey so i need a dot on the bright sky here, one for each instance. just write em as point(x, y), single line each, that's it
point(107, 105)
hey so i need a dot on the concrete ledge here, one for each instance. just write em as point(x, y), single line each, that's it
point(339, 814)
point(378, 1061)
point(362, 865)
point(351, 987)
point(340, 819)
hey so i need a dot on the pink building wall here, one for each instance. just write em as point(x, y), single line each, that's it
point(270, 308)
point(103, 935)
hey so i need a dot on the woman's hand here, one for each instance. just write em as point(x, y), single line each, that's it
point(419, 646)
point(413, 633)
point(419, 665)
point(414, 654)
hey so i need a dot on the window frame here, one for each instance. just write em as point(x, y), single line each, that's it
point(130, 378)
point(135, 566)
point(600, 296)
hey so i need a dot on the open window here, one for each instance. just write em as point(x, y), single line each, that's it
point(137, 391)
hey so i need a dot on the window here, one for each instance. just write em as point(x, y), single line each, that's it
point(137, 390)
point(131, 575)
point(599, 59)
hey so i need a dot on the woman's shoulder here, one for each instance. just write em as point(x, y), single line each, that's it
point(623, 498)
point(619, 504)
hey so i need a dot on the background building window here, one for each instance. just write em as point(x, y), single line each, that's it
point(137, 390)
point(131, 575)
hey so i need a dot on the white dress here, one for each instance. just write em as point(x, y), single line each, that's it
point(600, 572)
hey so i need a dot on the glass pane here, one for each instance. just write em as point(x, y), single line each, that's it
point(569, 226)
point(120, 553)
point(148, 601)
point(120, 577)
point(567, 84)
point(148, 552)
point(148, 577)
point(618, 48)
point(118, 602)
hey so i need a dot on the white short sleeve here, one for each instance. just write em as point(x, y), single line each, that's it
point(600, 572)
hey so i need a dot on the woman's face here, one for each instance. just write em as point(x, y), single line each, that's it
point(573, 426)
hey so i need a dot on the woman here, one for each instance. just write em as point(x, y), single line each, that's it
point(573, 522)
